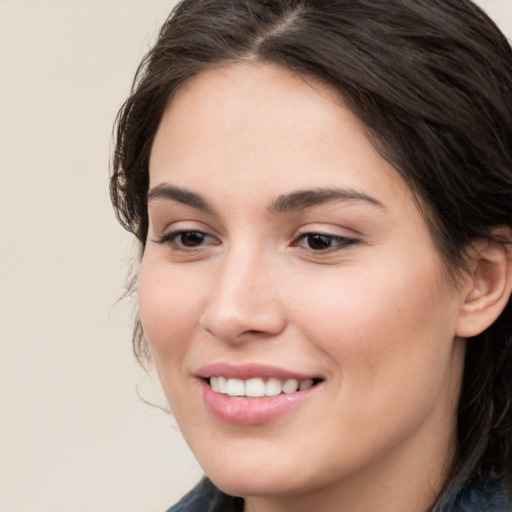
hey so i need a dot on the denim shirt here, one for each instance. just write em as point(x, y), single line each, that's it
point(490, 497)
point(482, 497)
point(205, 497)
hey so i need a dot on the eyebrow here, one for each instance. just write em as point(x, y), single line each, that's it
point(295, 201)
point(180, 195)
point(304, 199)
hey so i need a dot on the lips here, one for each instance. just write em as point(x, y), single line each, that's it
point(253, 394)
point(248, 371)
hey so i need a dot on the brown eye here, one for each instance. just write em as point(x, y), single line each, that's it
point(323, 242)
point(319, 242)
point(183, 240)
point(191, 238)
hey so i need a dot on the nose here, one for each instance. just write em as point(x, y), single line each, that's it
point(244, 300)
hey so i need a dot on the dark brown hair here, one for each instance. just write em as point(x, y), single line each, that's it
point(431, 81)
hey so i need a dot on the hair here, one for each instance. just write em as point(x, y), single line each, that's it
point(431, 82)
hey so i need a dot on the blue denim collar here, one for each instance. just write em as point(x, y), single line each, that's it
point(476, 496)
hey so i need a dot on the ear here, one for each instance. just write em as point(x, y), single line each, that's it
point(488, 284)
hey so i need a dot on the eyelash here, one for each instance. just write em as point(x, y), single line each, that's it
point(331, 242)
point(171, 239)
point(336, 242)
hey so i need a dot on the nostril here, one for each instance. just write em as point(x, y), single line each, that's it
point(235, 322)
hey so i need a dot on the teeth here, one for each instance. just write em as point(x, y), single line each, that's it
point(254, 387)
point(273, 387)
point(290, 386)
point(305, 384)
point(257, 387)
point(235, 387)
point(222, 383)
point(214, 383)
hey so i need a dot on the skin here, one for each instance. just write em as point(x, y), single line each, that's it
point(377, 318)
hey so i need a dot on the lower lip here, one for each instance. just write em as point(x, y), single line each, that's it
point(252, 411)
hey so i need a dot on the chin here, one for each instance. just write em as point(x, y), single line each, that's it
point(265, 475)
point(256, 483)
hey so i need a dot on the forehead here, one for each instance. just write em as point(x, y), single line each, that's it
point(252, 114)
point(246, 104)
point(258, 131)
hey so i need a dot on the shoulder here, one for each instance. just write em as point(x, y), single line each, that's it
point(488, 496)
point(205, 497)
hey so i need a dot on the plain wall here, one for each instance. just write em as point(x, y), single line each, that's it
point(74, 436)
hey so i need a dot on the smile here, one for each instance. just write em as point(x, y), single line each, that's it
point(258, 387)
point(251, 393)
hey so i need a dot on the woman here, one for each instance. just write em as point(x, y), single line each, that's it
point(322, 192)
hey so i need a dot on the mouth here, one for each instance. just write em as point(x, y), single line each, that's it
point(258, 387)
point(254, 394)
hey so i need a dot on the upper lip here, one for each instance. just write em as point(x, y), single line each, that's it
point(249, 370)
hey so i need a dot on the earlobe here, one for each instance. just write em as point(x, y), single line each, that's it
point(489, 284)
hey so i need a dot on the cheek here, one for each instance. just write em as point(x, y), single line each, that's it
point(392, 335)
point(169, 306)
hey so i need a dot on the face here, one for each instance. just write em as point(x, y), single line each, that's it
point(297, 311)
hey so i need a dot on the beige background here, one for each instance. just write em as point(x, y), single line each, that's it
point(73, 434)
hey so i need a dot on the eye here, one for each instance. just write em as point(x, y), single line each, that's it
point(189, 239)
point(323, 242)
